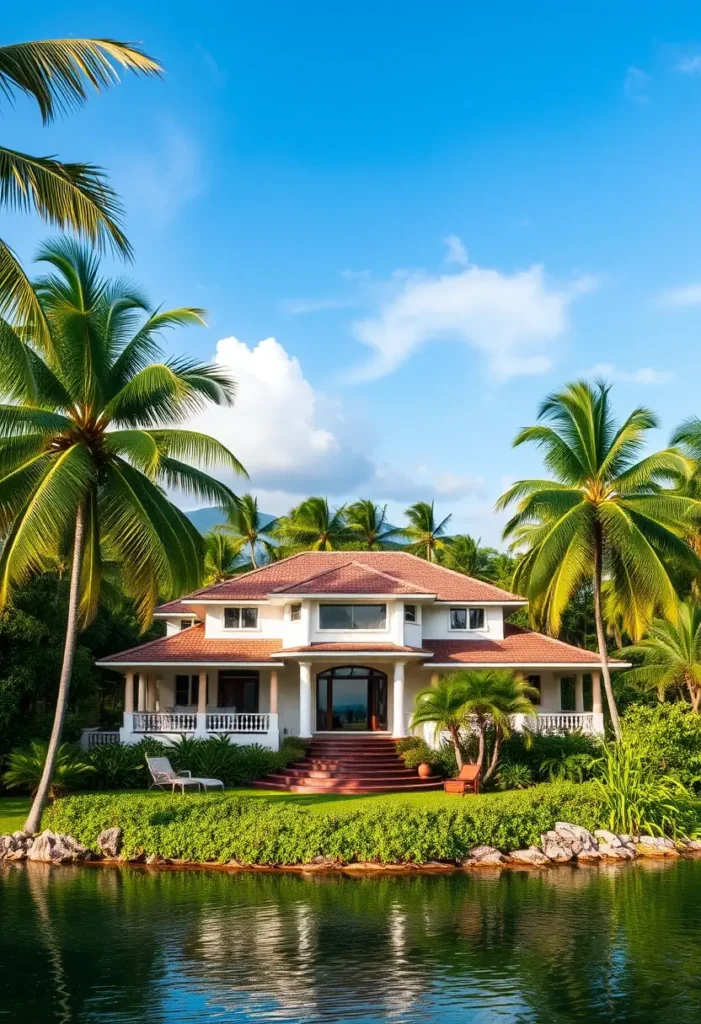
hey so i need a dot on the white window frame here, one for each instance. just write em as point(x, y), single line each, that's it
point(186, 624)
point(240, 628)
point(297, 605)
point(350, 629)
point(467, 628)
point(416, 621)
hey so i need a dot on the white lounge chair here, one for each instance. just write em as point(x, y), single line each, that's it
point(163, 774)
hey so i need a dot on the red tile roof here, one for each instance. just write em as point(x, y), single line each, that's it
point(341, 648)
point(519, 647)
point(189, 647)
point(174, 608)
point(409, 571)
point(352, 578)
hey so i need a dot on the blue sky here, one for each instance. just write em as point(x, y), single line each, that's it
point(439, 212)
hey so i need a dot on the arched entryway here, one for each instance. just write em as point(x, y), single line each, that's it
point(351, 698)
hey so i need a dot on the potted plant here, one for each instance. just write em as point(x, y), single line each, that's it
point(419, 756)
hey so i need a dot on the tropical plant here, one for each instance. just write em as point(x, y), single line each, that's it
point(246, 528)
point(670, 655)
point(570, 767)
point(668, 737)
point(603, 516)
point(26, 766)
point(513, 775)
point(76, 196)
point(313, 526)
point(368, 526)
point(425, 536)
point(463, 553)
point(444, 707)
point(84, 455)
point(636, 800)
point(222, 558)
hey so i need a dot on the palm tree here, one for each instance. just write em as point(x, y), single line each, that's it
point(222, 558)
point(314, 526)
point(368, 523)
point(424, 534)
point(86, 448)
point(57, 74)
point(605, 515)
point(463, 553)
point(445, 707)
point(670, 655)
point(245, 526)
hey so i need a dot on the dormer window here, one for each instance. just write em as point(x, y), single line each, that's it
point(185, 623)
point(410, 613)
point(295, 612)
point(240, 618)
point(467, 618)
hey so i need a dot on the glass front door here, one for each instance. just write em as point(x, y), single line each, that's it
point(351, 698)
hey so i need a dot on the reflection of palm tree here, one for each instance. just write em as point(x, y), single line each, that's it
point(38, 878)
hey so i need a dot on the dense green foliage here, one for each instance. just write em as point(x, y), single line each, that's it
point(254, 831)
point(560, 756)
point(26, 764)
point(668, 737)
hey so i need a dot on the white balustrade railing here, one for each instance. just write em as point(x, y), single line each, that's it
point(562, 721)
point(98, 738)
point(224, 721)
point(158, 721)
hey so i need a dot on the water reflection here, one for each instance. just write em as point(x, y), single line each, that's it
point(110, 946)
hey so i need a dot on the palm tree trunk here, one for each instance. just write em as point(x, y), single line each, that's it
point(252, 546)
point(495, 755)
point(601, 636)
point(33, 822)
point(455, 733)
point(480, 749)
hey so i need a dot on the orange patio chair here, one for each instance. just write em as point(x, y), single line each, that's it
point(467, 781)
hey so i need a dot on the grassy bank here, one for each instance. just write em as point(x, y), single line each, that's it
point(274, 831)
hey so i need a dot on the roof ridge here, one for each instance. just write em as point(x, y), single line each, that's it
point(247, 575)
point(314, 575)
point(158, 640)
point(389, 576)
point(452, 572)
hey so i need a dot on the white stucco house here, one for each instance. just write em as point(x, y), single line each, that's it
point(326, 642)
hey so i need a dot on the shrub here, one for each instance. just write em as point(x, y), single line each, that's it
point(636, 800)
point(224, 827)
point(118, 766)
point(668, 738)
point(25, 765)
point(551, 757)
point(512, 775)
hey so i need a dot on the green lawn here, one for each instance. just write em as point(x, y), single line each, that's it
point(13, 810)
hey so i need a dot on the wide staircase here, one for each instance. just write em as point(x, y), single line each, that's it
point(343, 763)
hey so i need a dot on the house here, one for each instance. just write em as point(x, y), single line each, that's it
point(338, 641)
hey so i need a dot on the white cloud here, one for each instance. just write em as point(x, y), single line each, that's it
point(512, 319)
point(299, 306)
point(689, 65)
point(687, 295)
point(420, 483)
point(457, 253)
point(635, 85)
point(644, 375)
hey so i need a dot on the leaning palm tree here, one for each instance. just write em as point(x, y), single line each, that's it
point(58, 73)
point(87, 448)
point(367, 523)
point(605, 515)
point(313, 526)
point(424, 534)
point(245, 526)
point(444, 706)
point(670, 655)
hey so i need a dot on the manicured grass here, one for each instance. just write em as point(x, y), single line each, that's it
point(13, 809)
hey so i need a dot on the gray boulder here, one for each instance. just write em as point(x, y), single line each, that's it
point(532, 857)
point(619, 852)
point(656, 846)
point(556, 848)
point(484, 856)
point(109, 842)
point(52, 848)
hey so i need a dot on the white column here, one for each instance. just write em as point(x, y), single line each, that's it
point(305, 699)
point(430, 727)
point(150, 693)
point(273, 691)
point(398, 724)
point(597, 708)
point(201, 730)
point(128, 718)
point(579, 692)
point(141, 696)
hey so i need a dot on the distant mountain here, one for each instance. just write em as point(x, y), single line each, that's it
point(205, 518)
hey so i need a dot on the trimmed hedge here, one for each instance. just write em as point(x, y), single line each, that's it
point(221, 828)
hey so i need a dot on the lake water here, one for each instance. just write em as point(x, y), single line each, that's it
point(111, 946)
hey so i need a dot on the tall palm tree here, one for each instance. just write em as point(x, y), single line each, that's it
point(444, 707)
point(245, 526)
point(605, 515)
point(670, 655)
point(222, 558)
point(425, 535)
point(463, 553)
point(314, 526)
point(367, 523)
point(87, 448)
point(58, 74)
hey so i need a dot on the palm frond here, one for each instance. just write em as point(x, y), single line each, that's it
point(18, 300)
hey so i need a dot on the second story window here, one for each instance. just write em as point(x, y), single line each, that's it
point(410, 613)
point(295, 612)
point(185, 623)
point(240, 618)
point(352, 616)
point(467, 618)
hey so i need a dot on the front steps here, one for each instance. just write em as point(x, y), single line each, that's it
point(347, 764)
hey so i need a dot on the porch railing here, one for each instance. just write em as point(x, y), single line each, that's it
point(158, 721)
point(223, 721)
point(562, 721)
point(98, 738)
